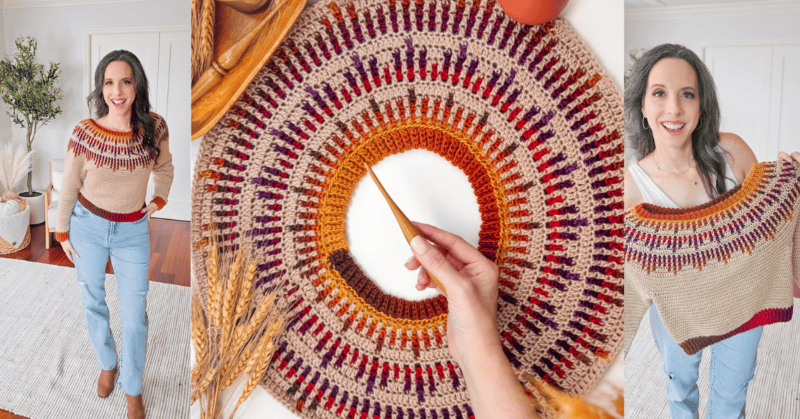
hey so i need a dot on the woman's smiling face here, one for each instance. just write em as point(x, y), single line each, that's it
point(119, 88)
point(672, 101)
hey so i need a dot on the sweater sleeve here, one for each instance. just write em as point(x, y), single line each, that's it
point(796, 258)
point(163, 170)
point(73, 179)
point(635, 307)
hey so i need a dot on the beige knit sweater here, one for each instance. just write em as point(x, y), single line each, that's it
point(718, 269)
point(109, 170)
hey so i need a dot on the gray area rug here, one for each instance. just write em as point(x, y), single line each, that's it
point(773, 393)
point(48, 368)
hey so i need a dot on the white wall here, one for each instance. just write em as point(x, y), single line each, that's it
point(59, 31)
point(696, 32)
point(5, 122)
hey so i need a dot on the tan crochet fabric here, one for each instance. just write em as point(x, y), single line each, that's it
point(111, 170)
point(524, 111)
point(721, 268)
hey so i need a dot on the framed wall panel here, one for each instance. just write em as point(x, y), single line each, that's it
point(757, 86)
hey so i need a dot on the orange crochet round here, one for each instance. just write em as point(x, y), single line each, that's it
point(524, 111)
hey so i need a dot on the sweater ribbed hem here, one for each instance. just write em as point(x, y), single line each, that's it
point(762, 318)
point(111, 216)
point(62, 237)
point(160, 202)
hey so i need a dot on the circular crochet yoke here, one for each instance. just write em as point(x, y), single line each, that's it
point(524, 111)
point(722, 268)
point(721, 232)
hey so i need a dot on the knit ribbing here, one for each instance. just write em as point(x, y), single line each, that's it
point(721, 268)
point(110, 216)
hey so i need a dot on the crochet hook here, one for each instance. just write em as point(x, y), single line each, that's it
point(409, 230)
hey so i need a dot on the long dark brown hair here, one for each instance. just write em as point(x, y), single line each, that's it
point(140, 117)
point(705, 137)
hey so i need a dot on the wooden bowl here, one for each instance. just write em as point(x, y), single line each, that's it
point(230, 26)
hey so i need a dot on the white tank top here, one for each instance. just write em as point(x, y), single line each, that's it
point(652, 194)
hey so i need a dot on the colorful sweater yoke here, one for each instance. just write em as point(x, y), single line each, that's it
point(108, 172)
point(524, 111)
point(721, 268)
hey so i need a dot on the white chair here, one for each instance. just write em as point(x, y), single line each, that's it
point(51, 195)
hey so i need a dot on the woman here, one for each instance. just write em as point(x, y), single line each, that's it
point(102, 213)
point(672, 122)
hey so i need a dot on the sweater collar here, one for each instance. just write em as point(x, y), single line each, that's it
point(718, 205)
point(108, 134)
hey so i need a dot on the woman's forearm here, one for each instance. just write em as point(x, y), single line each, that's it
point(494, 391)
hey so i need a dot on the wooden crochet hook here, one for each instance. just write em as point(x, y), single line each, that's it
point(409, 230)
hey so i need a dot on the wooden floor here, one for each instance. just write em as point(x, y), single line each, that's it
point(169, 251)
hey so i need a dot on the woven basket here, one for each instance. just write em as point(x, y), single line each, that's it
point(23, 216)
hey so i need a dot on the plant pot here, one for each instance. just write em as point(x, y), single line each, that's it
point(36, 201)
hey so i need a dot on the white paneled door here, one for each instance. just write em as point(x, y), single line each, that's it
point(758, 87)
point(786, 92)
point(165, 56)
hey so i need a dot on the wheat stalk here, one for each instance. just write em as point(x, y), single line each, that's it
point(266, 347)
point(244, 335)
point(198, 336)
point(246, 291)
point(206, 50)
point(195, 37)
point(229, 302)
point(237, 365)
point(239, 336)
point(261, 320)
point(213, 273)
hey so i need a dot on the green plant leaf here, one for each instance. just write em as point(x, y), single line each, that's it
point(30, 92)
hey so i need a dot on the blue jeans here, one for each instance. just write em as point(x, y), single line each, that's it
point(128, 244)
point(733, 362)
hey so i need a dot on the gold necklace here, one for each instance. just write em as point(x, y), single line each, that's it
point(670, 171)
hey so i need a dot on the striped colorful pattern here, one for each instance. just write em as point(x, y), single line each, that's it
point(525, 112)
point(724, 267)
point(108, 148)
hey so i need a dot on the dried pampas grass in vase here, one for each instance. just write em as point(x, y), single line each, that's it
point(236, 336)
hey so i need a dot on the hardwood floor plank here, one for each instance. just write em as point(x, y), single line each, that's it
point(169, 251)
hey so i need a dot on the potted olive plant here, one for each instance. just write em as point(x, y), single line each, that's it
point(31, 94)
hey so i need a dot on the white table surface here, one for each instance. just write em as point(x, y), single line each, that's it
point(376, 241)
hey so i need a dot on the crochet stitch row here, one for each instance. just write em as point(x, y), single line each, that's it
point(111, 149)
point(737, 247)
point(523, 111)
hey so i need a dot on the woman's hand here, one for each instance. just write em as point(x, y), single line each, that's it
point(149, 210)
point(69, 251)
point(471, 284)
point(787, 157)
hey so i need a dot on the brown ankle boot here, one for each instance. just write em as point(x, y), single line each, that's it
point(105, 383)
point(135, 407)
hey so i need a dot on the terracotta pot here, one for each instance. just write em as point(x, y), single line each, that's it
point(533, 12)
